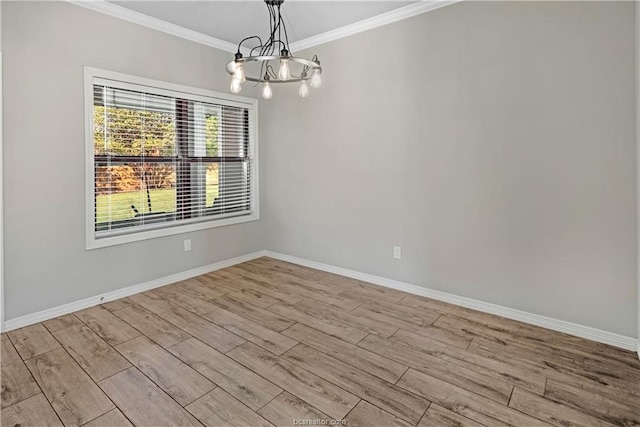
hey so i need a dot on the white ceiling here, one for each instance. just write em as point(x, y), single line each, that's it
point(231, 21)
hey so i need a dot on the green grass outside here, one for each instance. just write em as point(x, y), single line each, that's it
point(162, 200)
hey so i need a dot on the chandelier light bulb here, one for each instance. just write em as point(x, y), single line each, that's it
point(316, 80)
point(267, 93)
point(236, 86)
point(239, 73)
point(284, 73)
point(304, 89)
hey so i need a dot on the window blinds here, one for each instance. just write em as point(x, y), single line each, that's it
point(164, 158)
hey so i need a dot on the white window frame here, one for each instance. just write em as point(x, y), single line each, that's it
point(156, 86)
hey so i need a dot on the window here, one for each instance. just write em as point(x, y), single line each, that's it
point(165, 159)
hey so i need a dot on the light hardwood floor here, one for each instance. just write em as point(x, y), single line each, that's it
point(270, 343)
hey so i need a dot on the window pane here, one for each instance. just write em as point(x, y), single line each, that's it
point(212, 183)
point(234, 187)
point(134, 124)
point(205, 123)
point(234, 128)
point(212, 122)
point(217, 188)
point(204, 189)
point(134, 194)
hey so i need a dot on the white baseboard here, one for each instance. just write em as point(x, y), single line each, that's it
point(50, 313)
point(587, 332)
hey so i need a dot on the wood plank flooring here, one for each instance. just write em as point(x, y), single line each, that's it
point(268, 343)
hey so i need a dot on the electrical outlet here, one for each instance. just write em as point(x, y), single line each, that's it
point(187, 245)
point(397, 252)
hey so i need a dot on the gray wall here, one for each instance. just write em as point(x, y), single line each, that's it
point(493, 142)
point(638, 153)
point(45, 46)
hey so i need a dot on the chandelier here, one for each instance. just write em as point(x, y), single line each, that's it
point(258, 67)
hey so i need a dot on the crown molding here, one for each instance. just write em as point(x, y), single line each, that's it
point(374, 22)
point(114, 10)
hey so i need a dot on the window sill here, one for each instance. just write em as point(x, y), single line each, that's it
point(103, 242)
